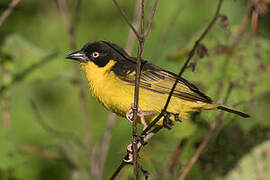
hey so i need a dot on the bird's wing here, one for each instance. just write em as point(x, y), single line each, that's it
point(158, 80)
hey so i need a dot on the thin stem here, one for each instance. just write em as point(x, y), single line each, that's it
point(70, 28)
point(151, 18)
point(177, 153)
point(131, 36)
point(105, 141)
point(117, 171)
point(192, 52)
point(141, 37)
point(123, 163)
point(207, 138)
point(7, 12)
point(126, 19)
point(136, 98)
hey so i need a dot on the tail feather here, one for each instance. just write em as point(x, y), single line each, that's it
point(232, 110)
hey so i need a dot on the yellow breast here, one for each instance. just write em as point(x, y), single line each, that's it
point(117, 95)
point(113, 93)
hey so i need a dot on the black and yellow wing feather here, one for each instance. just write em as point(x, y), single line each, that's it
point(154, 78)
point(158, 80)
point(161, 81)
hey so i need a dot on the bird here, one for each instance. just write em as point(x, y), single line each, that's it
point(110, 72)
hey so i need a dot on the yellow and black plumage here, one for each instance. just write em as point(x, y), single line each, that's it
point(110, 72)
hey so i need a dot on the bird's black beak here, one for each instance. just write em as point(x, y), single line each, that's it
point(78, 56)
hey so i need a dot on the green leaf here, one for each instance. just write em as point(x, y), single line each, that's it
point(254, 165)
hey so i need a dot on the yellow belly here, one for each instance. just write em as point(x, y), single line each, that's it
point(117, 95)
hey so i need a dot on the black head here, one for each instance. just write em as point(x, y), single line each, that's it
point(99, 52)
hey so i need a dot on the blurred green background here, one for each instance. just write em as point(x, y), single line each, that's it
point(46, 138)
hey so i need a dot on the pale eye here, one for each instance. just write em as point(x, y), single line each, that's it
point(95, 54)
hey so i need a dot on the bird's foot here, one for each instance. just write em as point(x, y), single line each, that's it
point(176, 117)
point(129, 157)
point(141, 114)
point(167, 122)
point(142, 140)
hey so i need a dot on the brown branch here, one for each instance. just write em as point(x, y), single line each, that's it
point(207, 138)
point(126, 19)
point(136, 98)
point(63, 9)
point(105, 141)
point(7, 12)
point(141, 40)
point(151, 18)
point(177, 153)
point(131, 36)
point(111, 120)
point(166, 32)
point(191, 54)
point(129, 46)
point(71, 27)
point(118, 170)
point(123, 163)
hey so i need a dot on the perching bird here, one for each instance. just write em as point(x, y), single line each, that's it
point(110, 72)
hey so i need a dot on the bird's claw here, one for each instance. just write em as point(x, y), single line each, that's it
point(129, 157)
point(167, 122)
point(176, 117)
point(141, 114)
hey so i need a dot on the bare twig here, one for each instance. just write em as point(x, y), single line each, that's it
point(208, 28)
point(123, 163)
point(105, 141)
point(165, 34)
point(131, 36)
point(207, 138)
point(141, 37)
point(70, 27)
point(141, 40)
point(136, 97)
point(191, 54)
point(177, 153)
point(151, 19)
point(126, 19)
point(7, 12)
point(118, 170)
point(111, 120)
